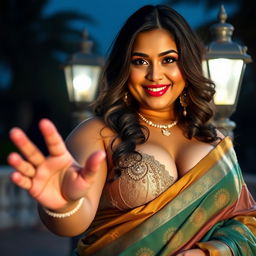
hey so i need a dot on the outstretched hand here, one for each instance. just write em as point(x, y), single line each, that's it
point(56, 180)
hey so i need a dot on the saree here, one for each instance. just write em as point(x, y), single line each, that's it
point(210, 208)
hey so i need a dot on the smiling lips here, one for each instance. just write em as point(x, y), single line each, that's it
point(156, 90)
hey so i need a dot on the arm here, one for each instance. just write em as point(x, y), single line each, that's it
point(58, 181)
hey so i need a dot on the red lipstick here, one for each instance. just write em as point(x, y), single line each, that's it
point(156, 90)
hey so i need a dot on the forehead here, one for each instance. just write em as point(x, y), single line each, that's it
point(158, 40)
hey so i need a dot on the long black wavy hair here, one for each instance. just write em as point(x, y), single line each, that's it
point(123, 118)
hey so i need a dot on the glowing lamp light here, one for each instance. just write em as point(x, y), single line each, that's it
point(82, 73)
point(224, 64)
point(226, 73)
point(82, 82)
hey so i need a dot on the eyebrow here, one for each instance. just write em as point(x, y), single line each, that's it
point(160, 54)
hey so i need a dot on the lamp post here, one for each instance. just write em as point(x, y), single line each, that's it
point(82, 72)
point(224, 64)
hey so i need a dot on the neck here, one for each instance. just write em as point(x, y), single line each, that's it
point(158, 115)
point(163, 126)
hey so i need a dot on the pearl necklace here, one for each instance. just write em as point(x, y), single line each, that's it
point(164, 127)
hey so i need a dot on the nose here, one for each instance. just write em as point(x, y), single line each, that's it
point(154, 72)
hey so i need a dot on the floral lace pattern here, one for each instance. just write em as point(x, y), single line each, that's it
point(141, 182)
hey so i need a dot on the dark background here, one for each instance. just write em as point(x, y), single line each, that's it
point(33, 47)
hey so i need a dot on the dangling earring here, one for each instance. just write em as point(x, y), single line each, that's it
point(184, 103)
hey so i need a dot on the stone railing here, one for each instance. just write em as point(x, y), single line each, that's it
point(17, 209)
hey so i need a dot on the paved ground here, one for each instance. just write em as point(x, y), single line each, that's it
point(32, 242)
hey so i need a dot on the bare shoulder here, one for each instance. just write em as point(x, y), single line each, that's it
point(88, 137)
point(220, 134)
point(95, 122)
point(220, 137)
point(90, 128)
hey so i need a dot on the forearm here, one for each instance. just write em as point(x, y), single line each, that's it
point(72, 225)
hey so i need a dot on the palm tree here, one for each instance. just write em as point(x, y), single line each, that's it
point(32, 47)
point(244, 34)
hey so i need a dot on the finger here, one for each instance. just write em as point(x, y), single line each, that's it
point(16, 161)
point(20, 180)
point(92, 165)
point(27, 148)
point(53, 140)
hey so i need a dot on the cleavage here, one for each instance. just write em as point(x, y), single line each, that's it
point(161, 155)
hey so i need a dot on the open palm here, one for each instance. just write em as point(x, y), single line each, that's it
point(57, 179)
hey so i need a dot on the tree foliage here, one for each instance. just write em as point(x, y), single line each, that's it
point(32, 48)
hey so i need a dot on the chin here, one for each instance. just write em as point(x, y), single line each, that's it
point(159, 107)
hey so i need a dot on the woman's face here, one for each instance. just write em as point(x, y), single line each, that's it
point(155, 79)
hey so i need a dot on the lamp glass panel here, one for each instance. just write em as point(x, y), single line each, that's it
point(69, 81)
point(85, 81)
point(226, 74)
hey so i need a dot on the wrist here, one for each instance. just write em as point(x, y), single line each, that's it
point(71, 209)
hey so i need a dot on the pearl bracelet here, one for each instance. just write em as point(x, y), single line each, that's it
point(65, 214)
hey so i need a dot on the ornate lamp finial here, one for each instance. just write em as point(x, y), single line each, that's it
point(222, 31)
point(86, 44)
point(222, 14)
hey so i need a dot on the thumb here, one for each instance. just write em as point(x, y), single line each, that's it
point(93, 164)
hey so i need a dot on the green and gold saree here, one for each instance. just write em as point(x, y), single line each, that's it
point(210, 207)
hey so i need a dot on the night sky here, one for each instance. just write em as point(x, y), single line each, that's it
point(111, 14)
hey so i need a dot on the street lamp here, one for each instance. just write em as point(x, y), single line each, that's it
point(224, 64)
point(82, 72)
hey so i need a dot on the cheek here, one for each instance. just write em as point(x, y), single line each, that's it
point(134, 83)
point(177, 78)
point(136, 75)
point(175, 74)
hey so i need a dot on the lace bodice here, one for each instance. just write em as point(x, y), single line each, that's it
point(138, 184)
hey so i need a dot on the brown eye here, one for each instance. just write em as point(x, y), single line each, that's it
point(168, 60)
point(139, 62)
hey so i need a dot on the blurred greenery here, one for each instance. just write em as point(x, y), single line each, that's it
point(32, 83)
point(244, 116)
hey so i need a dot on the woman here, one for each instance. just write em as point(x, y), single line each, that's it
point(149, 174)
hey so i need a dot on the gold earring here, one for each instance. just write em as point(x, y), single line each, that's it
point(183, 103)
point(125, 98)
